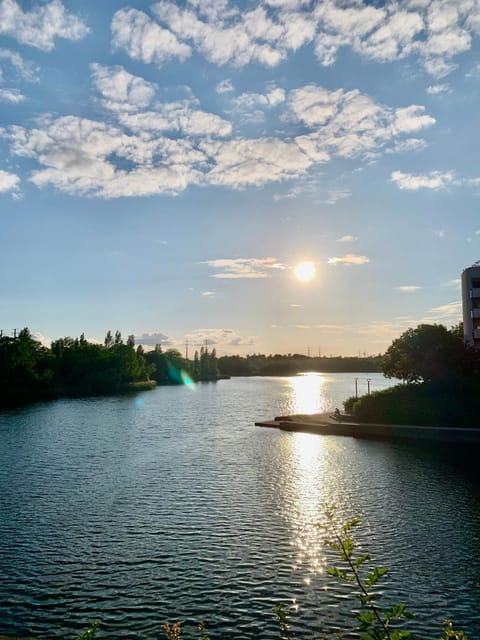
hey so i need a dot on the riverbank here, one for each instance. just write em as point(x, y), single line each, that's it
point(346, 425)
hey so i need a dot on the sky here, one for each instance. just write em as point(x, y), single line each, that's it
point(165, 166)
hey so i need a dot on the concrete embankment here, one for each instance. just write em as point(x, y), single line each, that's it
point(345, 425)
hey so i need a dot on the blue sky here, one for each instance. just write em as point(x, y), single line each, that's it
point(165, 165)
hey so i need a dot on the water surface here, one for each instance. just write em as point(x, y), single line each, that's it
point(172, 505)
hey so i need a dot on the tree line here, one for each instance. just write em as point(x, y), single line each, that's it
point(74, 367)
point(291, 364)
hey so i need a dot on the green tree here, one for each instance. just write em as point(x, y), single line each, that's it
point(430, 352)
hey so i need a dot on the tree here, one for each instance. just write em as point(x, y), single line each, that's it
point(428, 353)
point(108, 342)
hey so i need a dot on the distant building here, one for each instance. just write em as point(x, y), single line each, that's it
point(471, 305)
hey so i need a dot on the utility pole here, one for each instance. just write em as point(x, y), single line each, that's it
point(368, 385)
point(186, 350)
point(14, 334)
point(356, 387)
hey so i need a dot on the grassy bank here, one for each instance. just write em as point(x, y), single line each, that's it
point(427, 404)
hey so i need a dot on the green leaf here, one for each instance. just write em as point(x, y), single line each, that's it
point(366, 619)
point(336, 572)
point(374, 576)
point(397, 634)
point(349, 524)
point(361, 559)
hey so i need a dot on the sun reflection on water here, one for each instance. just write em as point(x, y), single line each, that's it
point(308, 454)
point(307, 393)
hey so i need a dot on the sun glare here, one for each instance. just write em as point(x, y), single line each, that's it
point(304, 271)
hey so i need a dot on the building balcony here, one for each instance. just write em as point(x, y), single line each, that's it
point(475, 313)
point(474, 293)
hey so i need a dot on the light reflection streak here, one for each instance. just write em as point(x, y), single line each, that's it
point(308, 453)
point(307, 393)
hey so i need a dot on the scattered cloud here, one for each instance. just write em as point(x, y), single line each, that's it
point(143, 39)
point(120, 90)
point(152, 339)
point(21, 68)
point(221, 339)
point(408, 145)
point(431, 32)
point(150, 147)
point(251, 268)
point(440, 233)
point(408, 288)
point(225, 86)
point(448, 313)
point(295, 306)
point(349, 259)
point(271, 98)
point(208, 293)
point(332, 196)
point(8, 182)
point(435, 180)
point(14, 96)
point(436, 89)
point(45, 341)
point(41, 25)
point(455, 282)
point(347, 238)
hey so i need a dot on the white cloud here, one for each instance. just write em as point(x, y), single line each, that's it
point(208, 293)
point(41, 25)
point(79, 157)
point(220, 339)
point(349, 259)
point(8, 181)
point(25, 69)
point(134, 32)
point(153, 147)
point(248, 101)
point(347, 238)
point(349, 123)
point(436, 89)
point(254, 161)
point(434, 180)
point(45, 341)
point(121, 90)
point(448, 313)
point(411, 119)
point(408, 288)
point(152, 339)
point(332, 196)
point(14, 96)
point(225, 86)
point(455, 282)
point(239, 41)
point(250, 268)
point(408, 145)
point(177, 116)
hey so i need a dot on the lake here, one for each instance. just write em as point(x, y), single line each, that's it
point(171, 505)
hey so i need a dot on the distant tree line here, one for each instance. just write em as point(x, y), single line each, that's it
point(73, 367)
point(441, 381)
point(291, 364)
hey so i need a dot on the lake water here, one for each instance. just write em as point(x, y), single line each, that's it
point(172, 505)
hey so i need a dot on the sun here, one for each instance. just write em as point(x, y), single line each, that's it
point(304, 271)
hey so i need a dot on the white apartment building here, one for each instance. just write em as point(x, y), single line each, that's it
point(471, 305)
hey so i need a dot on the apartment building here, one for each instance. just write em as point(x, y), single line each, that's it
point(471, 305)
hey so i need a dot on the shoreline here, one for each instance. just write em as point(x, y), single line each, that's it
point(346, 425)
